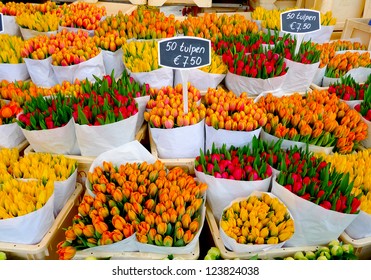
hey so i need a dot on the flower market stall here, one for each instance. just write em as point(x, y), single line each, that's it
point(255, 143)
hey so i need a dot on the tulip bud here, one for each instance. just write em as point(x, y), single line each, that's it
point(168, 241)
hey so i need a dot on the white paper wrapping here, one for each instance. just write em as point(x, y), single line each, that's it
point(360, 227)
point(180, 142)
point(60, 140)
point(63, 191)
point(76, 29)
point(320, 36)
point(352, 103)
point(41, 72)
point(94, 140)
point(159, 78)
point(359, 74)
point(28, 229)
point(188, 249)
point(299, 76)
point(200, 79)
point(81, 71)
point(29, 33)
point(221, 192)
point(11, 135)
point(367, 142)
point(142, 103)
point(286, 144)
point(236, 247)
point(318, 77)
point(126, 245)
point(314, 225)
point(10, 26)
point(113, 62)
point(14, 72)
point(253, 86)
point(127, 153)
point(228, 137)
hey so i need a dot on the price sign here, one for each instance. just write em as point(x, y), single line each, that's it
point(1, 23)
point(184, 52)
point(300, 21)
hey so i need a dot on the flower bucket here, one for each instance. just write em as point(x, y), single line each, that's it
point(94, 140)
point(81, 71)
point(159, 78)
point(200, 79)
point(14, 72)
point(367, 142)
point(360, 227)
point(41, 72)
point(30, 228)
point(10, 26)
point(253, 86)
point(228, 137)
point(11, 135)
point(29, 33)
point(63, 191)
point(300, 76)
point(180, 142)
point(60, 140)
point(113, 62)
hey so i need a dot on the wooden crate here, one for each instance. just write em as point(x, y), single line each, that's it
point(47, 247)
point(358, 28)
point(188, 164)
point(362, 247)
point(199, 3)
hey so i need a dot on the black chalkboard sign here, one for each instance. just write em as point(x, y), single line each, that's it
point(1, 23)
point(184, 52)
point(300, 21)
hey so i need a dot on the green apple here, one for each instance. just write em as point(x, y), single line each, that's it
point(2, 256)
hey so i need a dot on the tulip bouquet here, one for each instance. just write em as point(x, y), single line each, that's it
point(355, 64)
point(33, 24)
point(137, 203)
point(303, 65)
point(348, 90)
point(58, 169)
point(255, 73)
point(232, 172)
point(357, 165)
point(328, 50)
point(364, 109)
point(111, 46)
point(10, 134)
point(171, 127)
point(107, 110)
point(22, 91)
point(230, 119)
point(321, 191)
point(76, 48)
point(140, 24)
point(12, 66)
point(47, 124)
point(81, 15)
point(260, 221)
point(24, 204)
point(212, 26)
point(319, 119)
point(141, 60)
